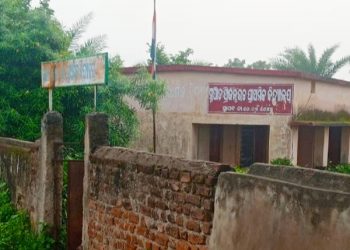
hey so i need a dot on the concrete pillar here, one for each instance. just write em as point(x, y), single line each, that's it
point(50, 172)
point(345, 145)
point(321, 146)
point(294, 146)
point(96, 135)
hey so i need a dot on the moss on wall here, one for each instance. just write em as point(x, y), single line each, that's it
point(324, 116)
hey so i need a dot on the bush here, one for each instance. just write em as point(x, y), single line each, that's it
point(241, 170)
point(15, 228)
point(343, 168)
point(282, 162)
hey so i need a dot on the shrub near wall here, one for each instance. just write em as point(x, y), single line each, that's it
point(145, 201)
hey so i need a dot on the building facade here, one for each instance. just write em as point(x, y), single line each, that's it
point(240, 116)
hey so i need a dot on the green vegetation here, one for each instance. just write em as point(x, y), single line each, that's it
point(182, 57)
point(343, 168)
point(241, 170)
point(297, 59)
point(30, 36)
point(282, 162)
point(323, 116)
point(241, 63)
point(15, 228)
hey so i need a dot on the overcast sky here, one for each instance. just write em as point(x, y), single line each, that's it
point(216, 30)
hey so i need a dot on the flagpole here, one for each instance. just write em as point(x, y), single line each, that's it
point(154, 69)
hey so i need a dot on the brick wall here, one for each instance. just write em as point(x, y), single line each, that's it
point(18, 167)
point(144, 201)
point(33, 173)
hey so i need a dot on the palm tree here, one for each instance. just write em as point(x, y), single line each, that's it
point(91, 46)
point(297, 59)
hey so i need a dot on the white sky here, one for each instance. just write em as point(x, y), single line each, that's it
point(216, 30)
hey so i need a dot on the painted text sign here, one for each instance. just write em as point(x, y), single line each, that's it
point(82, 71)
point(251, 98)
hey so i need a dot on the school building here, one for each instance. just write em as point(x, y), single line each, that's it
point(240, 116)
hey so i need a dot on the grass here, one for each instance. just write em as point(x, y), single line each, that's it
point(15, 229)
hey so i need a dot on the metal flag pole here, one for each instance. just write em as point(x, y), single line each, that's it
point(154, 65)
point(95, 98)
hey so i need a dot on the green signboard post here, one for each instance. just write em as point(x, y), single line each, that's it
point(91, 70)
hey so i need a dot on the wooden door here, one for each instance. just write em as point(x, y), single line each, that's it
point(334, 145)
point(306, 141)
point(215, 144)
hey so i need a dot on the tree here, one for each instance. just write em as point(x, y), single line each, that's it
point(28, 37)
point(241, 63)
point(148, 92)
point(182, 57)
point(163, 58)
point(297, 59)
point(235, 63)
point(31, 36)
point(91, 46)
point(259, 65)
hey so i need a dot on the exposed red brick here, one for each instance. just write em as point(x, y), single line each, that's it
point(183, 245)
point(196, 239)
point(186, 209)
point(165, 173)
point(142, 231)
point(183, 234)
point(145, 169)
point(126, 204)
point(155, 247)
point(162, 205)
point(185, 177)
point(193, 225)
point(172, 231)
point(200, 214)
point(204, 191)
point(193, 199)
point(179, 198)
point(156, 192)
point(186, 187)
point(171, 218)
point(211, 181)
point(148, 245)
point(162, 239)
point(179, 220)
point(175, 186)
point(206, 228)
point(151, 202)
point(198, 178)
point(157, 207)
point(134, 218)
point(92, 205)
point(174, 174)
point(208, 204)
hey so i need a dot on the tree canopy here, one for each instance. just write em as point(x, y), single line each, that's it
point(241, 63)
point(300, 60)
point(30, 36)
point(181, 57)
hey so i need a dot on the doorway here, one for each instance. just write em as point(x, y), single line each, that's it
point(254, 145)
point(334, 149)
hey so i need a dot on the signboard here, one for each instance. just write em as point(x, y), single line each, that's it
point(251, 98)
point(81, 71)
